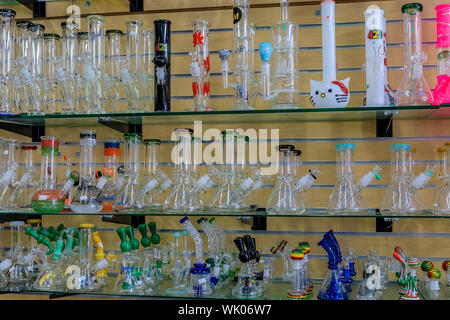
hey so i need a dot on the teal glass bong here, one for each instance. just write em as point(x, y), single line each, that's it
point(332, 287)
point(346, 196)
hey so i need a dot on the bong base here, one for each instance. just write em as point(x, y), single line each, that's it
point(285, 106)
point(178, 290)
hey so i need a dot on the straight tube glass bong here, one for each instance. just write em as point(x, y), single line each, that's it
point(51, 50)
point(132, 78)
point(162, 65)
point(285, 91)
point(113, 68)
point(413, 89)
point(200, 66)
point(23, 43)
point(94, 64)
point(375, 57)
point(148, 70)
point(66, 71)
point(37, 67)
point(6, 57)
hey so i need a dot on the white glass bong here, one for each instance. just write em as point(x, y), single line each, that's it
point(413, 89)
point(183, 198)
point(329, 93)
point(244, 75)
point(376, 69)
point(441, 198)
point(403, 194)
point(284, 198)
point(346, 196)
point(285, 75)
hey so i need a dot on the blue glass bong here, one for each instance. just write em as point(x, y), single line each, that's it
point(337, 282)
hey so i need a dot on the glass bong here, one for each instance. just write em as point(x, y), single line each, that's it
point(250, 282)
point(127, 197)
point(87, 198)
point(111, 155)
point(441, 198)
point(200, 66)
point(413, 89)
point(346, 196)
point(332, 287)
point(244, 75)
point(441, 93)
point(183, 197)
point(156, 182)
point(7, 57)
point(284, 198)
point(17, 273)
point(10, 173)
point(48, 198)
point(403, 195)
point(200, 273)
point(285, 73)
point(24, 188)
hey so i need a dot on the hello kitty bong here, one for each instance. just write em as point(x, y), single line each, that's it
point(329, 93)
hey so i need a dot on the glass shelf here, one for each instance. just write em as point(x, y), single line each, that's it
point(310, 213)
point(232, 116)
point(276, 291)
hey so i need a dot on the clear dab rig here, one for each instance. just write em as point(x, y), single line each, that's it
point(346, 196)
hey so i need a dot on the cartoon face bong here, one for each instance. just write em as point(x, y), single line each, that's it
point(329, 93)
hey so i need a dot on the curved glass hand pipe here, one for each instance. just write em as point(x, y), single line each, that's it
point(200, 273)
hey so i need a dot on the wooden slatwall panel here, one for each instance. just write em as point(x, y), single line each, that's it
point(415, 236)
